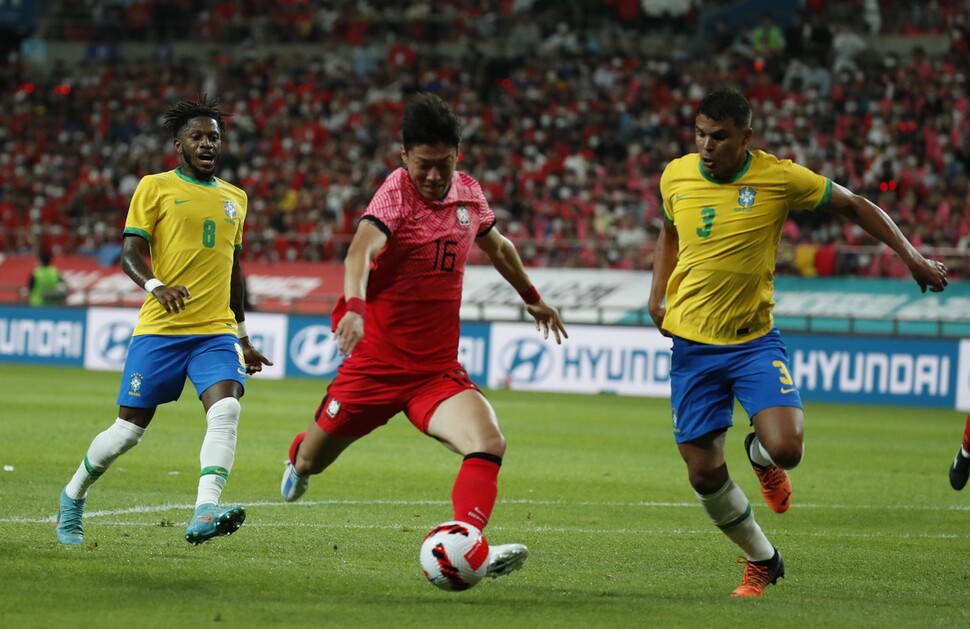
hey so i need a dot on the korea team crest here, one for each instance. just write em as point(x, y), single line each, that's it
point(230, 208)
point(463, 218)
point(333, 408)
point(746, 196)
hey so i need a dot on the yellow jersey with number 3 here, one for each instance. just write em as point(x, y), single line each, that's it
point(193, 228)
point(721, 289)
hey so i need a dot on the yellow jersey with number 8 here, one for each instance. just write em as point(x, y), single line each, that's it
point(193, 228)
point(721, 289)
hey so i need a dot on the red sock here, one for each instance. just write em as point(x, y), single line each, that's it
point(296, 446)
point(476, 488)
point(966, 436)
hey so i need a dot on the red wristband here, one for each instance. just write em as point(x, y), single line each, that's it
point(358, 305)
point(530, 295)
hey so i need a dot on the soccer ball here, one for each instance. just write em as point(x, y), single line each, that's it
point(454, 556)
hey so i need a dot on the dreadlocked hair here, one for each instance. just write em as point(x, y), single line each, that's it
point(184, 110)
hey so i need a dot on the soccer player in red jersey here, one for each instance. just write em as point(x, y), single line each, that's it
point(398, 322)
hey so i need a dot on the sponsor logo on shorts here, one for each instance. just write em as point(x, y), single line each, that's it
point(333, 408)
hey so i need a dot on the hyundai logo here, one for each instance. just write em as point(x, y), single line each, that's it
point(526, 360)
point(315, 351)
point(112, 341)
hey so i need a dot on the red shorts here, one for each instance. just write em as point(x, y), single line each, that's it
point(360, 400)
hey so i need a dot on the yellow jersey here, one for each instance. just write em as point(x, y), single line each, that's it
point(193, 228)
point(721, 289)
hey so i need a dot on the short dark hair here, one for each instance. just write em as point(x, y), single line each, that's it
point(184, 110)
point(726, 104)
point(429, 120)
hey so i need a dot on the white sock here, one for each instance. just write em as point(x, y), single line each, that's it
point(758, 453)
point(120, 437)
point(729, 510)
point(964, 453)
point(218, 449)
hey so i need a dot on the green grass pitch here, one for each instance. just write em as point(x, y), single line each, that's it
point(593, 484)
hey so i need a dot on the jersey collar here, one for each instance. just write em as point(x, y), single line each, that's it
point(738, 175)
point(198, 182)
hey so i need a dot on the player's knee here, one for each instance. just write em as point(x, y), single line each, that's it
point(787, 455)
point(224, 413)
point(492, 443)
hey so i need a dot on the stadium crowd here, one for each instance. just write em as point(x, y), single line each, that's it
point(571, 111)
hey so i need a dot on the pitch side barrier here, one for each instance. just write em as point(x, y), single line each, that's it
point(615, 359)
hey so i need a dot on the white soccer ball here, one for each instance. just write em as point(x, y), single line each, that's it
point(454, 556)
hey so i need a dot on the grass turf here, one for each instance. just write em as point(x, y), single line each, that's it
point(593, 484)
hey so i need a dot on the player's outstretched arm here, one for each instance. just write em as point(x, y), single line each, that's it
point(870, 217)
point(505, 258)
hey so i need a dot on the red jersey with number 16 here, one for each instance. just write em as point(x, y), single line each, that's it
point(415, 285)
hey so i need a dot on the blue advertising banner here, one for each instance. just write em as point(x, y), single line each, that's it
point(52, 336)
point(473, 350)
point(311, 350)
point(873, 370)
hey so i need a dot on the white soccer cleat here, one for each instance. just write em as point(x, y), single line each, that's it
point(505, 558)
point(293, 485)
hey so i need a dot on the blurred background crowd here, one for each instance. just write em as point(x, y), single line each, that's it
point(571, 110)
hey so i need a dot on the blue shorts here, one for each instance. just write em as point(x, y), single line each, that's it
point(706, 379)
point(156, 366)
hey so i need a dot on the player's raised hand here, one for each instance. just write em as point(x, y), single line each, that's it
point(930, 274)
point(172, 298)
point(349, 332)
point(547, 318)
point(253, 357)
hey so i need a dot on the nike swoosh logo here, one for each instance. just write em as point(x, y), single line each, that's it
point(181, 201)
point(678, 197)
point(784, 390)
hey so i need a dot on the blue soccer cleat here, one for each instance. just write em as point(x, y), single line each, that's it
point(293, 485)
point(69, 514)
point(210, 521)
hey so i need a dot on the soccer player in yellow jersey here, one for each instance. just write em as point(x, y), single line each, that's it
point(712, 289)
point(192, 324)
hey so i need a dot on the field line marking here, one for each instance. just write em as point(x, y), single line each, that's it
point(548, 503)
point(534, 530)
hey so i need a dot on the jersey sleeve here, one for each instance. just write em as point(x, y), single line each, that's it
point(806, 189)
point(665, 193)
point(484, 209)
point(240, 227)
point(143, 209)
point(387, 206)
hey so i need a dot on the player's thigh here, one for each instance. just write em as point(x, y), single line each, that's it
point(217, 359)
point(701, 398)
point(452, 409)
point(154, 372)
point(357, 403)
point(764, 386)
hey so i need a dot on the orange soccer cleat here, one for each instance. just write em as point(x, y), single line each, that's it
point(775, 483)
point(758, 575)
